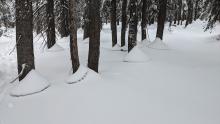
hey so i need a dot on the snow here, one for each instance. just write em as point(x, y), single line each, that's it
point(158, 44)
point(78, 76)
point(31, 84)
point(55, 48)
point(177, 86)
point(136, 55)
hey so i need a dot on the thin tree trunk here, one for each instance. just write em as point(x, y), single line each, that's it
point(51, 36)
point(189, 13)
point(144, 20)
point(132, 37)
point(24, 36)
point(179, 11)
point(94, 34)
point(124, 22)
point(113, 23)
point(73, 35)
point(161, 18)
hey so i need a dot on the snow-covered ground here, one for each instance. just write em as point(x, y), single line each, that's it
point(180, 85)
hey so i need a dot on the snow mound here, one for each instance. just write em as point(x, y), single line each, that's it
point(55, 48)
point(31, 84)
point(136, 55)
point(78, 76)
point(158, 44)
point(117, 47)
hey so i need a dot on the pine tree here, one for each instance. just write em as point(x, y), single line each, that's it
point(124, 22)
point(86, 25)
point(73, 35)
point(64, 27)
point(94, 34)
point(132, 36)
point(113, 23)
point(161, 18)
point(51, 36)
point(24, 36)
point(144, 19)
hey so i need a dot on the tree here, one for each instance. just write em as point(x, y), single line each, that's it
point(86, 20)
point(94, 34)
point(161, 18)
point(24, 36)
point(132, 36)
point(113, 23)
point(179, 15)
point(73, 35)
point(189, 12)
point(64, 27)
point(51, 36)
point(124, 22)
point(144, 19)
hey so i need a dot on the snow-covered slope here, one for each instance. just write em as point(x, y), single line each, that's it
point(178, 86)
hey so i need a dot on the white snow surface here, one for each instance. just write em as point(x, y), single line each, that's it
point(158, 44)
point(55, 48)
point(136, 55)
point(31, 84)
point(177, 86)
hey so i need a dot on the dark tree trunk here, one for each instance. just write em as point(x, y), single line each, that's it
point(196, 16)
point(51, 36)
point(86, 20)
point(38, 23)
point(132, 36)
point(64, 31)
point(113, 22)
point(179, 11)
point(24, 36)
point(73, 35)
point(161, 18)
point(124, 22)
point(144, 19)
point(94, 34)
point(189, 13)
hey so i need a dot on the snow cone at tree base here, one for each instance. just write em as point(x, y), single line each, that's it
point(136, 55)
point(158, 44)
point(31, 84)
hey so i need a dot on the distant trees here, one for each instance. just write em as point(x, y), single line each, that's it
point(24, 36)
point(124, 22)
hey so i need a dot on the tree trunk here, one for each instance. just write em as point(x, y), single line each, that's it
point(38, 23)
point(113, 23)
point(64, 31)
point(51, 36)
point(86, 20)
point(179, 11)
point(196, 10)
point(189, 13)
point(94, 34)
point(124, 22)
point(132, 37)
point(73, 35)
point(24, 36)
point(161, 18)
point(144, 19)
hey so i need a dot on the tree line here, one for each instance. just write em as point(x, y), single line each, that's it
point(50, 18)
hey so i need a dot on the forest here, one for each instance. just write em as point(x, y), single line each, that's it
point(109, 61)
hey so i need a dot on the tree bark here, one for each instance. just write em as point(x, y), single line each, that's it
point(94, 34)
point(64, 31)
point(189, 13)
point(73, 35)
point(132, 37)
point(124, 22)
point(144, 20)
point(24, 36)
point(161, 18)
point(113, 23)
point(86, 20)
point(179, 11)
point(51, 36)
